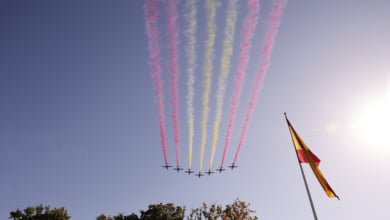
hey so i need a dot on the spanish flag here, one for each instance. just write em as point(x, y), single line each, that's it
point(306, 156)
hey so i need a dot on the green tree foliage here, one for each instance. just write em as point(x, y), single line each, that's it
point(40, 212)
point(238, 210)
point(163, 212)
point(120, 216)
point(154, 212)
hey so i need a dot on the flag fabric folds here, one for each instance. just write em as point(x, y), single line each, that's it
point(306, 156)
point(301, 153)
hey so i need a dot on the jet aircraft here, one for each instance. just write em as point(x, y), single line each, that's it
point(200, 174)
point(166, 166)
point(220, 169)
point(233, 166)
point(189, 171)
point(178, 168)
point(209, 172)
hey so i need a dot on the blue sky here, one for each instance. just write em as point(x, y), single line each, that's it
point(79, 126)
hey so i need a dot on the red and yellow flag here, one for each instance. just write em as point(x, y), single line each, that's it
point(306, 156)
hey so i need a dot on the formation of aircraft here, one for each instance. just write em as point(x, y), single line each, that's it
point(199, 174)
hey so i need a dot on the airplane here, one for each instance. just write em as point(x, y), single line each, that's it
point(178, 168)
point(232, 166)
point(200, 174)
point(189, 171)
point(209, 172)
point(220, 169)
point(166, 165)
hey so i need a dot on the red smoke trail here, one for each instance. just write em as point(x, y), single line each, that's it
point(153, 34)
point(274, 22)
point(248, 30)
point(173, 42)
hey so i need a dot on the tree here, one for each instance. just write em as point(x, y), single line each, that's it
point(237, 210)
point(120, 216)
point(163, 212)
point(40, 212)
point(154, 212)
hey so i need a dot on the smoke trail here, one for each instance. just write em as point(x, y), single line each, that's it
point(247, 33)
point(191, 61)
point(225, 64)
point(274, 22)
point(208, 67)
point(153, 34)
point(173, 42)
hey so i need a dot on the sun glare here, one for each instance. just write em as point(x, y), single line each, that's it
point(373, 124)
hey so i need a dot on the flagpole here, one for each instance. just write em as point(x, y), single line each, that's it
point(304, 178)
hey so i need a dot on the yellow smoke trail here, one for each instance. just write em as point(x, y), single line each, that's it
point(225, 64)
point(208, 67)
point(191, 61)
